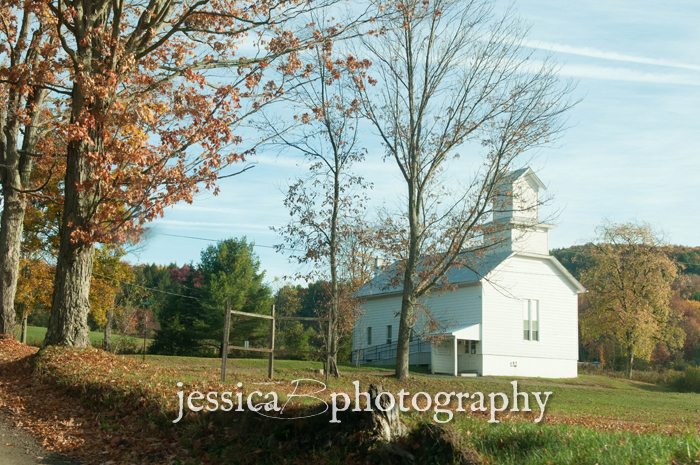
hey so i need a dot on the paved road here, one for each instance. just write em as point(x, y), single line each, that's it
point(24, 449)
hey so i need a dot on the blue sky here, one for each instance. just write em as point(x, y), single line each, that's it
point(630, 152)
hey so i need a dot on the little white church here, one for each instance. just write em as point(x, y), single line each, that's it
point(514, 314)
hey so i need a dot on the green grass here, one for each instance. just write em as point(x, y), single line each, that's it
point(36, 335)
point(588, 398)
point(592, 419)
point(528, 443)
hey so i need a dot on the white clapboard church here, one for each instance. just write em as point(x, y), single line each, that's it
point(515, 313)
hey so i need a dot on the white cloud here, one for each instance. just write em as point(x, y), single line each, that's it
point(594, 53)
point(626, 74)
point(203, 225)
point(281, 161)
point(187, 208)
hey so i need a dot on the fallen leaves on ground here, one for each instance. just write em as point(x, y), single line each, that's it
point(63, 423)
point(99, 408)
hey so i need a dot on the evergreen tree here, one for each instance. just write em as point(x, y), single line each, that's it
point(185, 319)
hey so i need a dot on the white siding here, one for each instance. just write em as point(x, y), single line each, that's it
point(443, 357)
point(461, 307)
point(530, 241)
point(525, 200)
point(378, 312)
point(500, 365)
point(455, 308)
point(505, 352)
point(533, 239)
point(517, 200)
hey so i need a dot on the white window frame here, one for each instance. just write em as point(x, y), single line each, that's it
point(388, 334)
point(531, 308)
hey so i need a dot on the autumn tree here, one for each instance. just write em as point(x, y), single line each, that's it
point(152, 121)
point(110, 275)
point(39, 243)
point(689, 313)
point(629, 282)
point(327, 205)
point(27, 49)
point(288, 301)
point(34, 287)
point(453, 79)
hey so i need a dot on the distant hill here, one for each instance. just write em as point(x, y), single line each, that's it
point(574, 259)
point(687, 256)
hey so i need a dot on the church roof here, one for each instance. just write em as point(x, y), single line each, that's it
point(527, 171)
point(380, 284)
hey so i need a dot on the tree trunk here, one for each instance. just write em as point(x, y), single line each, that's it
point(386, 422)
point(11, 226)
point(630, 360)
point(108, 328)
point(24, 329)
point(335, 291)
point(405, 325)
point(70, 304)
point(15, 173)
point(12, 220)
point(408, 304)
point(408, 300)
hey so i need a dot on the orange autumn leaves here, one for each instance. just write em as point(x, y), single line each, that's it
point(109, 272)
point(34, 286)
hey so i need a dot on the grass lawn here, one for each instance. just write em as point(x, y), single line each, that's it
point(36, 334)
point(619, 403)
point(590, 419)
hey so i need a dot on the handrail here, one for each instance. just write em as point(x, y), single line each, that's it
point(388, 350)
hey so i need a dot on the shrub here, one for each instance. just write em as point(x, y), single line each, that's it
point(34, 342)
point(128, 345)
point(689, 381)
point(656, 377)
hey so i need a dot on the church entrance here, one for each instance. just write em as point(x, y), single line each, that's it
point(467, 357)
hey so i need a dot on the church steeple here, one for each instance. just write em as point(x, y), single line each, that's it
point(518, 196)
point(516, 225)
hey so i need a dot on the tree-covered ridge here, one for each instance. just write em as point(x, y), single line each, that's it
point(683, 305)
point(574, 258)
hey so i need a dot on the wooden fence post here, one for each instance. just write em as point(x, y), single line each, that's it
point(271, 367)
point(145, 332)
point(224, 344)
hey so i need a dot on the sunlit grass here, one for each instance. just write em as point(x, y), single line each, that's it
point(36, 335)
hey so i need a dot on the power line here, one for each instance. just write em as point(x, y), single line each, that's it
point(208, 240)
point(297, 250)
point(148, 288)
point(219, 240)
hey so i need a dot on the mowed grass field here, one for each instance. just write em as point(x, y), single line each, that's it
point(36, 334)
point(617, 400)
point(589, 419)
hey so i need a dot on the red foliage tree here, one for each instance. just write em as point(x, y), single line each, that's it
point(150, 123)
point(27, 71)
